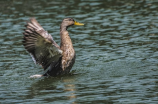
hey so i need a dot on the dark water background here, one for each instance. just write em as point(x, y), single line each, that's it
point(117, 52)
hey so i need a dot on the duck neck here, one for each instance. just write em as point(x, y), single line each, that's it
point(66, 42)
point(63, 28)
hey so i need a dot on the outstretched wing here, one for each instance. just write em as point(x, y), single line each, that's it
point(43, 49)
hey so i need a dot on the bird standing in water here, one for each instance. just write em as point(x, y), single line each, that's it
point(55, 59)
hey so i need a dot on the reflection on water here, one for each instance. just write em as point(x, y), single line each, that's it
point(117, 53)
point(70, 88)
point(48, 87)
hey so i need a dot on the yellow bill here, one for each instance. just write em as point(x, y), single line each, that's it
point(77, 23)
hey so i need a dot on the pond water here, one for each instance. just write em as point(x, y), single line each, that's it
point(117, 52)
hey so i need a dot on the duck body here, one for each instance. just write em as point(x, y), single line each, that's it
point(55, 59)
point(67, 60)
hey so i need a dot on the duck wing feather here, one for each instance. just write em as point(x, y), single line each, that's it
point(40, 44)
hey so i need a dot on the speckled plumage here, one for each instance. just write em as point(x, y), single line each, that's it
point(46, 52)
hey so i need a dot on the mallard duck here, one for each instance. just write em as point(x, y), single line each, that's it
point(55, 59)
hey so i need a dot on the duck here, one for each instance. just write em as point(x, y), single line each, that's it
point(56, 60)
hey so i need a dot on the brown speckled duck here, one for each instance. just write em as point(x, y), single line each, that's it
point(55, 59)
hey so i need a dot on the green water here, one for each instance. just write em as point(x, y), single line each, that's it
point(117, 52)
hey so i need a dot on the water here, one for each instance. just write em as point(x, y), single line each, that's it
point(117, 52)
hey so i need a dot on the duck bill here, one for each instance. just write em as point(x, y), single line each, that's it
point(77, 23)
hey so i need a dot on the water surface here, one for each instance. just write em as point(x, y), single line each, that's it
point(117, 52)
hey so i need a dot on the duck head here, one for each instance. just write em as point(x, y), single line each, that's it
point(69, 22)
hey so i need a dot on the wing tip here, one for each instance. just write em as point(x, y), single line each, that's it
point(32, 19)
point(36, 76)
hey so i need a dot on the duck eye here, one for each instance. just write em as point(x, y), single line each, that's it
point(69, 19)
